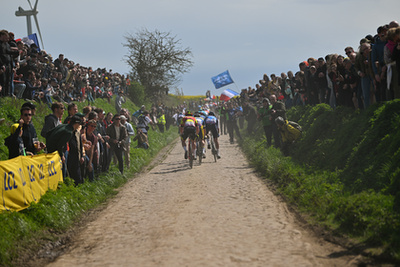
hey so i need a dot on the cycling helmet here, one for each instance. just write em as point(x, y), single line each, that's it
point(188, 113)
point(203, 112)
point(211, 113)
point(280, 121)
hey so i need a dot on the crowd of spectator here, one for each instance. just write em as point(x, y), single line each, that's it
point(356, 79)
point(32, 74)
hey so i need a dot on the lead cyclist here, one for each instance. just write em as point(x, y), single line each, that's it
point(211, 123)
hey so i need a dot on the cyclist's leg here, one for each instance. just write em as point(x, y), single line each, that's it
point(215, 135)
point(183, 139)
point(208, 137)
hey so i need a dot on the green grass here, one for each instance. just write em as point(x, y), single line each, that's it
point(344, 172)
point(22, 233)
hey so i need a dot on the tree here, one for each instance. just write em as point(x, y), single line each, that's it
point(157, 60)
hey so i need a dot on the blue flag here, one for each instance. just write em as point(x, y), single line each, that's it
point(222, 79)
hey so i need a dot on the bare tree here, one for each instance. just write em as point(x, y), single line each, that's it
point(157, 60)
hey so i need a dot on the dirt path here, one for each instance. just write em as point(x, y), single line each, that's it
point(216, 214)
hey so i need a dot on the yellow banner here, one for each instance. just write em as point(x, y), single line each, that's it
point(27, 178)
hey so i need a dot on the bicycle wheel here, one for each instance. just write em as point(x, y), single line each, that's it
point(190, 153)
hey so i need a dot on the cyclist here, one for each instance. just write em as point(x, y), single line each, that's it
point(188, 127)
point(200, 122)
point(211, 123)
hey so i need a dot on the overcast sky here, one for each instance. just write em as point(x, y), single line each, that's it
point(246, 37)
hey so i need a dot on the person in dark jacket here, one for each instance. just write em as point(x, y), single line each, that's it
point(25, 133)
point(117, 133)
point(278, 109)
point(53, 120)
point(57, 138)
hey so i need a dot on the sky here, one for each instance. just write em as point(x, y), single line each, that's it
point(246, 37)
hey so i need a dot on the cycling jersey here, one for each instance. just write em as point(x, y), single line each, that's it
point(211, 120)
point(200, 122)
point(211, 123)
point(188, 121)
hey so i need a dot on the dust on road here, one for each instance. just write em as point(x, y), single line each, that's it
point(216, 214)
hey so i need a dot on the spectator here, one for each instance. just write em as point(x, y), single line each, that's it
point(75, 156)
point(393, 77)
point(161, 120)
point(251, 116)
point(103, 139)
point(28, 132)
point(141, 139)
point(127, 143)
point(14, 141)
point(54, 119)
point(263, 114)
point(363, 67)
point(379, 68)
point(119, 100)
point(19, 85)
point(117, 134)
point(32, 86)
point(396, 58)
point(108, 119)
point(89, 140)
point(144, 121)
point(232, 115)
point(349, 88)
point(289, 131)
point(322, 82)
point(7, 53)
point(278, 109)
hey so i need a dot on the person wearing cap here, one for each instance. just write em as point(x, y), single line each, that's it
point(117, 134)
point(127, 144)
point(31, 106)
point(58, 137)
point(139, 112)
